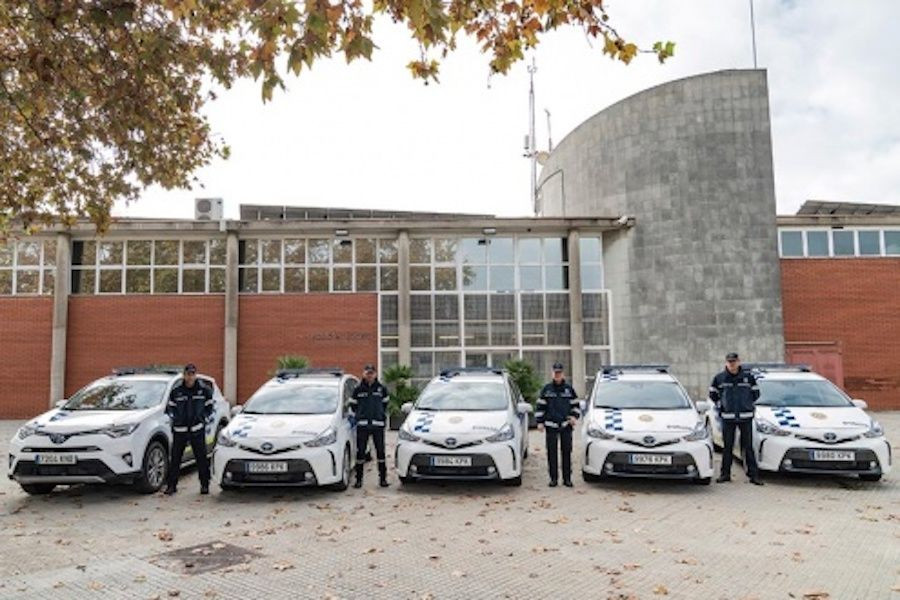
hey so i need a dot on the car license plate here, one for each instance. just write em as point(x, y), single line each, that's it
point(651, 459)
point(451, 461)
point(836, 455)
point(55, 459)
point(267, 467)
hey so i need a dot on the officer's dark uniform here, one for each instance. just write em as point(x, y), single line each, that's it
point(190, 408)
point(734, 396)
point(369, 405)
point(558, 402)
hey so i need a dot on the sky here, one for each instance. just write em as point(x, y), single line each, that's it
point(367, 135)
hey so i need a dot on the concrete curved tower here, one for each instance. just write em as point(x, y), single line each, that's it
point(698, 274)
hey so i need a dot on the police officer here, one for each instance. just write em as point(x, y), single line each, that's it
point(369, 405)
point(190, 407)
point(734, 392)
point(557, 412)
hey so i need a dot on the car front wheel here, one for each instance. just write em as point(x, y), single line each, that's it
point(154, 468)
point(344, 483)
point(38, 489)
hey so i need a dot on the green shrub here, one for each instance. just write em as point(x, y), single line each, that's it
point(291, 361)
point(522, 372)
point(397, 379)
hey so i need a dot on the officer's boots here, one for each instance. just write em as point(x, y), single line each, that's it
point(382, 475)
point(359, 475)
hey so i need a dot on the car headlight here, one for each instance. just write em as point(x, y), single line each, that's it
point(26, 430)
point(770, 428)
point(406, 436)
point(117, 431)
point(596, 432)
point(700, 432)
point(504, 434)
point(875, 430)
point(225, 440)
point(326, 438)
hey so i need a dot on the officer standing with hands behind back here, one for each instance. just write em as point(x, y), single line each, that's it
point(557, 413)
point(369, 406)
point(190, 406)
point(734, 391)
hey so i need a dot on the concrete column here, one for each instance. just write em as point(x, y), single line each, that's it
point(576, 314)
point(61, 290)
point(404, 334)
point(229, 370)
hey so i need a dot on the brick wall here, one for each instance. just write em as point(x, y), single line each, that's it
point(855, 302)
point(26, 326)
point(331, 330)
point(106, 332)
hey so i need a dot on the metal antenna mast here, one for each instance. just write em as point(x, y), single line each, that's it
point(753, 33)
point(530, 142)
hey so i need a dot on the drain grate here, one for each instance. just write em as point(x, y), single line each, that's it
point(203, 558)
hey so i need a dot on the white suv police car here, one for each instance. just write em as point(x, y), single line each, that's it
point(640, 422)
point(803, 423)
point(112, 430)
point(468, 423)
point(295, 430)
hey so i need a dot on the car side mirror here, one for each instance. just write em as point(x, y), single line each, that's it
point(860, 403)
point(703, 406)
point(60, 403)
point(236, 410)
point(582, 405)
point(406, 408)
point(523, 408)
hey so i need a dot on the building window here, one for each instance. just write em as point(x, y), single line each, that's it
point(842, 242)
point(791, 243)
point(591, 263)
point(817, 243)
point(869, 243)
point(892, 242)
point(27, 267)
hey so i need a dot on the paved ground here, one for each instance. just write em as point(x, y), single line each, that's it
point(792, 538)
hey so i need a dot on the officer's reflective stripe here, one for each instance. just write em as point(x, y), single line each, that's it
point(726, 415)
point(180, 429)
point(539, 414)
point(197, 427)
point(551, 424)
point(713, 389)
point(755, 388)
point(743, 384)
point(381, 460)
point(726, 384)
point(745, 415)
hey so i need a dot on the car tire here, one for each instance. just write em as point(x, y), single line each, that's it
point(590, 477)
point(405, 480)
point(512, 481)
point(344, 483)
point(154, 468)
point(219, 428)
point(870, 477)
point(38, 489)
point(703, 481)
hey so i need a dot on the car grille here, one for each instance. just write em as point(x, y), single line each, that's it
point(479, 468)
point(655, 444)
point(57, 449)
point(820, 440)
point(456, 447)
point(272, 453)
point(296, 473)
point(801, 459)
point(83, 468)
point(621, 464)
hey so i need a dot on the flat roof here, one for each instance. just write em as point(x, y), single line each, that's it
point(824, 207)
point(270, 212)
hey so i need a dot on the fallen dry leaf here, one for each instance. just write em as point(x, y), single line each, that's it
point(164, 535)
point(661, 590)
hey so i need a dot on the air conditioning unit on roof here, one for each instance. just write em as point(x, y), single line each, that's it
point(208, 209)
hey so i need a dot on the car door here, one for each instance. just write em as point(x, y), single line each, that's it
point(348, 428)
point(521, 419)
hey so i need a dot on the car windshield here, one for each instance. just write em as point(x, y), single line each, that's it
point(800, 393)
point(122, 394)
point(640, 394)
point(463, 395)
point(294, 400)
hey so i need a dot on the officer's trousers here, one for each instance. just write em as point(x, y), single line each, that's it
point(362, 439)
point(559, 436)
point(197, 441)
point(729, 427)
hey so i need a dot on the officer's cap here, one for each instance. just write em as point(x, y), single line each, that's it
point(732, 356)
point(557, 366)
point(190, 368)
point(369, 368)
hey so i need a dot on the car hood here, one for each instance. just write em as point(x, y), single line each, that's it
point(678, 422)
point(844, 418)
point(295, 428)
point(464, 425)
point(75, 421)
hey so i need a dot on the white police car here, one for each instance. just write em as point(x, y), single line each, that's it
point(468, 423)
point(803, 423)
point(112, 430)
point(294, 431)
point(640, 422)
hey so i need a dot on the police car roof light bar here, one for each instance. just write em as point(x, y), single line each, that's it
point(454, 371)
point(773, 366)
point(292, 373)
point(146, 370)
point(610, 369)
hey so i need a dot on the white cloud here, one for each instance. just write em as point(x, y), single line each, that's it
point(367, 135)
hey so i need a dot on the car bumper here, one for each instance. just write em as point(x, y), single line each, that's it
point(792, 455)
point(305, 467)
point(690, 460)
point(98, 459)
point(500, 460)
